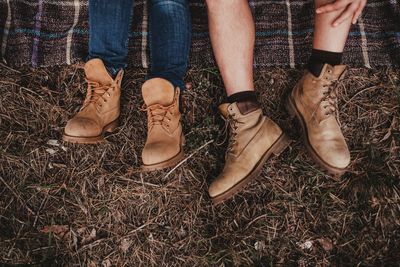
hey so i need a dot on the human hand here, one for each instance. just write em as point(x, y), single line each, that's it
point(352, 8)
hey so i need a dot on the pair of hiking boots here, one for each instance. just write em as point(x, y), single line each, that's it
point(254, 138)
point(101, 109)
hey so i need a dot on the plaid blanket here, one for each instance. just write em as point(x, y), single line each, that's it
point(52, 32)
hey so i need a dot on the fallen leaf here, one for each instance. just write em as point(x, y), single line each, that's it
point(51, 151)
point(151, 238)
point(58, 230)
point(259, 245)
point(326, 243)
point(182, 233)
point(125, 244)
point(305, 245)
point(89, 239)
point(106, 263)
point(374, 202)
point(53, 142)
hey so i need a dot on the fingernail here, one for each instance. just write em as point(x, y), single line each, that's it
point(318, 11)
point(335, 24)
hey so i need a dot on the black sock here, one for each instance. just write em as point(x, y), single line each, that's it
point(246, 101)
point(320, 57)
point(242, 97)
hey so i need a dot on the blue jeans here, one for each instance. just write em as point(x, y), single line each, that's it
point(169, 36)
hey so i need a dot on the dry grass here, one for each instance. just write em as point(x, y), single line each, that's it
point(91, 205)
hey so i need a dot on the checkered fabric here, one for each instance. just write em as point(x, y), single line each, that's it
point(53, 32)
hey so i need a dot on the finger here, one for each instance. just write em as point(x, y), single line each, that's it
point(332, 7)
point(348, 13)
point(358, 11)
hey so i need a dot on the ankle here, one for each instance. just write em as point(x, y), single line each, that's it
point(319, 58)
point(245, 100)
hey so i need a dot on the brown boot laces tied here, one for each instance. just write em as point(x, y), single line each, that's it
point(330, 92)
point(231, 126)
point(97, 91)
point(158, 114)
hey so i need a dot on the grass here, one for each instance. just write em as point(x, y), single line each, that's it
point(74, 205)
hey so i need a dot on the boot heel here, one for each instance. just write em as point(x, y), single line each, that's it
point(281, 145)
point(111, 126)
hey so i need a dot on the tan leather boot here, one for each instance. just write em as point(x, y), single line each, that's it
point(314, 102)
point(164, 145)
point(101, 108)
point(254, 138)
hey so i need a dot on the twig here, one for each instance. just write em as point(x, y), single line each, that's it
point(188, 157)
point(38, 212)
point(17, 196)
point(9, 68)
point(360, 92)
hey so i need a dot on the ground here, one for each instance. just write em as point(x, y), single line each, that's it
point(75, 205)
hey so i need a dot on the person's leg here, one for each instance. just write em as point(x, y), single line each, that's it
point(314, 99)
point(109, 23)
point(327, 36)
point(170, 40)
point(331, 30)
point(254, 138)
point(232, 34)
point(108, 48)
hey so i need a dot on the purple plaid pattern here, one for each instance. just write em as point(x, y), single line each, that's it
point(50, 32)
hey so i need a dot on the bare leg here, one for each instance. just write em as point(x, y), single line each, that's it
point(232, 36)
point(326, 36)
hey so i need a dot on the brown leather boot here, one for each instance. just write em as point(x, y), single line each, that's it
point(164, 145)
point(101, 108)
point(314, 102)
point(254, 138)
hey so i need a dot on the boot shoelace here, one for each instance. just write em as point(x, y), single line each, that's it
point(97, 91)
point(158, 115)
point(329, 87)
point(330, 97)
point(231, 123)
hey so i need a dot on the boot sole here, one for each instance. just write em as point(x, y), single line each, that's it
point(276, 149)
point(292, 109)
point(168, 163)
point(92, 139)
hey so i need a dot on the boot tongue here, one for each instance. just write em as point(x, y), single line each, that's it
point(223, 108)
point(158, 91)
point(96, 72)
point(337, 70)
